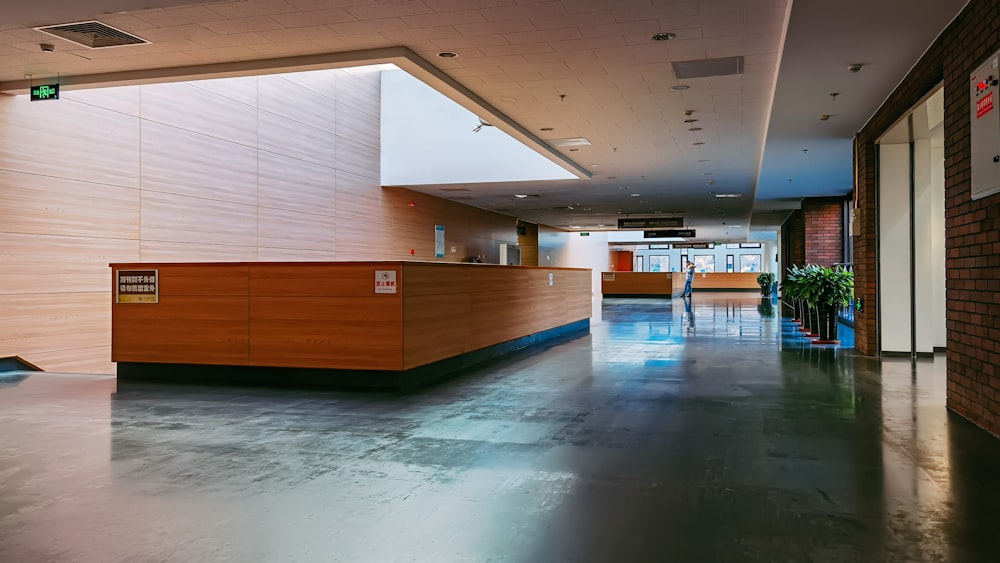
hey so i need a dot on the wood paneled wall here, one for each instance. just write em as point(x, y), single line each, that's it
point(270, 168)
point(528, 243)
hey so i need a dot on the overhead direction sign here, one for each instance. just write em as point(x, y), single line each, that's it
point(651, 223)
point(669, 233)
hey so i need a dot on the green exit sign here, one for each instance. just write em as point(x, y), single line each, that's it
point(45, 92)
point(584, 234)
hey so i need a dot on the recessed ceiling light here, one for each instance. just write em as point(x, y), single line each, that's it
point(569, 142)
point(520, 196)
point(508, 99)
point(664, 36)
point(698, 143)
point(728, 195)
point(546, 128)
point(595, 164)
point(694, 129)
point(573, 150)
point(634, 195)
point(824, 117)
point(707, 173)
point(692, 120)
point(680, 87)
point(447, 54)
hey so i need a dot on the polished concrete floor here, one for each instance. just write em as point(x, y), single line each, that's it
point(675, 432)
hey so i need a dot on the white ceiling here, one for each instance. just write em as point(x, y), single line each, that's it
point(585, 68)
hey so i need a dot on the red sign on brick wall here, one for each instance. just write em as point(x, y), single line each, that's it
point(984, 105)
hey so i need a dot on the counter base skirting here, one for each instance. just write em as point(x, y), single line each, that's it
point(311, 378)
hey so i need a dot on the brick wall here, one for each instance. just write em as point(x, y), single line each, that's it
point(814, 234)
point(972, 242)
point(824, 230)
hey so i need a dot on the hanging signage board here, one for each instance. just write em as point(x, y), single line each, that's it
point(669, 233)
point(137, 286)
point(651, 223)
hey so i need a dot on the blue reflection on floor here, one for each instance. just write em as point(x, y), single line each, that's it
point(739, 318)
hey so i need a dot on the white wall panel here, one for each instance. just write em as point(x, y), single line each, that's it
point(894, 246)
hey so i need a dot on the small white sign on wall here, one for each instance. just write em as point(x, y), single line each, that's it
point(385, 281)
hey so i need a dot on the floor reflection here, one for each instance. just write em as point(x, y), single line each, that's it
point(701, 429)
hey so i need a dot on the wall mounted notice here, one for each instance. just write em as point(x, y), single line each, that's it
point(439, 241)
point(385, 281)
point(137, 286)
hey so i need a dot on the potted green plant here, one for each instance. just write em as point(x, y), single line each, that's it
point(828, 290)
point(765, 280)
point(792, 290)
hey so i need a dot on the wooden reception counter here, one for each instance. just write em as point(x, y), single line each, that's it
point(672, 283)
point(367, 316)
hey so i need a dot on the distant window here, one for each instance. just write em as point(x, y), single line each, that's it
point(704, 263)
point(750, 263)
point(659, 263)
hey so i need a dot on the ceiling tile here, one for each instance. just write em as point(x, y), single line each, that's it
point(242, 25)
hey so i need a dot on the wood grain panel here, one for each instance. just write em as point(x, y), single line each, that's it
point(284, 136)
point(638, 283)
point(46, 205)
point(39, 326)
point(58, 264)
point(167, 251)
point(280, 228)
point(265, 254)
point(345, 332)
point(241, 89)
point(319, 280)
point(183, 329)
point(724, 280)
point(367, 239)
point(196, 279)
point(202, 317)
point(124, 99)
point(295, 185)
point(181, 162)
point(358, 158)
point(184, 106)
point(276, 92)
point(321, 82)
point(359, 197)
point(24, 127)
point(451, 307)
point(177, 218)
point(359, 126)
point(528, 243)
point(361, 89)
point(93, 359)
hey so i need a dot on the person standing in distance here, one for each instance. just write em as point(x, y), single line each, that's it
point(689, 278)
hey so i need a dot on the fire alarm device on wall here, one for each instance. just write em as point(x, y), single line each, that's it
point(984, 115)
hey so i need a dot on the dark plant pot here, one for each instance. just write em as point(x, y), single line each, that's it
point(828, 324)
point(765, 290)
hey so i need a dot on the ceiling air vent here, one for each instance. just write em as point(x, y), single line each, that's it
point(708, 67)
point(92, 34)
